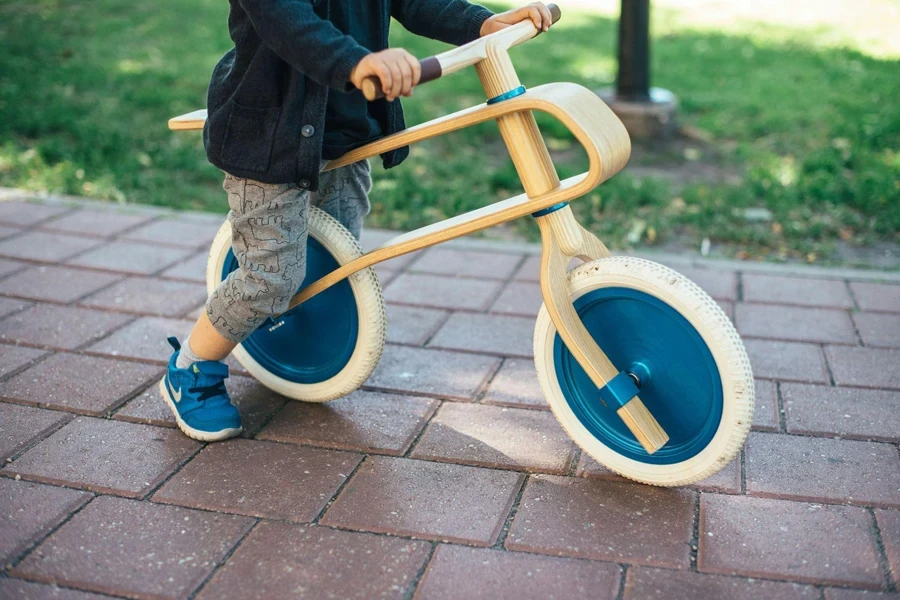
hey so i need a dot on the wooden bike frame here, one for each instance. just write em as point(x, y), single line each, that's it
point(607, 145)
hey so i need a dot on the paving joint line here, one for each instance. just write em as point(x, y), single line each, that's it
point(513, 510)
point(41, 539)
point(340, 489)
point(623, 575)
point(425, 426)
point(824, 357)
point(779, 405)
point(417, 579)
point(883, 563)
point(219, 565)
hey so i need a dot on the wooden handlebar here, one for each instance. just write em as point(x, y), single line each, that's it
point(434, 67)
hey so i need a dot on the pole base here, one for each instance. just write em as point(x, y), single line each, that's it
point(650, 119)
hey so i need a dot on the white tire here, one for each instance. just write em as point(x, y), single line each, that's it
point(716, 331)
point(368, 297)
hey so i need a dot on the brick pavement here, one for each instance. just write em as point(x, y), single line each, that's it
point(445, 476)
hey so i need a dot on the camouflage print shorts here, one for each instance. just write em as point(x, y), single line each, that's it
point(269, 233)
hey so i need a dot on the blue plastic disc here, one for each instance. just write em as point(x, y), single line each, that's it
point(684, 391)
point(314, 341)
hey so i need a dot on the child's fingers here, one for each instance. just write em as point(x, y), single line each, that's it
point(396, 81)
point(383, 72)
point(416, 69)
point(546, 16)
point(406, 70)
point(535, 15)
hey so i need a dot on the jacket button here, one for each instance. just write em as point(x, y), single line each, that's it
point(304, 183)
point(308, 130)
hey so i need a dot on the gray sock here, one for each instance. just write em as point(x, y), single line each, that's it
point(186, 357)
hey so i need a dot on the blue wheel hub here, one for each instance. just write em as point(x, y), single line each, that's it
point(683, 391)
point(314, 341)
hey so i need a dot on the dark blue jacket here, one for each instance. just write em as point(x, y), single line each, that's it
point(267, 96)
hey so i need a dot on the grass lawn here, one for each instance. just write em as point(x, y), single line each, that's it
point(801, 122)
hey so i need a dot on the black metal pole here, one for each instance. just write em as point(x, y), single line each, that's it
point(633, 81)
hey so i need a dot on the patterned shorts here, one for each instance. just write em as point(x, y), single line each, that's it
point(269, 231)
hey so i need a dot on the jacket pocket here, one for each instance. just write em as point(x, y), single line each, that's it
point(249, 137)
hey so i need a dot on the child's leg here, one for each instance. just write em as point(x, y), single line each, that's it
point(344, 194)
point(269, 241)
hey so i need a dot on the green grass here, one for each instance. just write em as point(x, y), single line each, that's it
point(809, 131)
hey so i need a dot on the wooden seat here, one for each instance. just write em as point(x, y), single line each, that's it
point(188, 122)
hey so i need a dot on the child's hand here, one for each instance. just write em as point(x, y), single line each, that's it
point(536, 11)
point(397, 69)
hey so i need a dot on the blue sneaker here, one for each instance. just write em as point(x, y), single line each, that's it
point(198, 399)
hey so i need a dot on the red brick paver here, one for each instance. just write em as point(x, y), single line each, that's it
point(149, 296)
point(845, 412)
point(440, 291)
point(22, 425)
point(878, 330)
point(64, 327)
point(643, 582)
point(765, 413)
point(411, 325)
point(144, 338)
point(761, 537)
point(458, 572)
point(720, 284)
point(362, 421)
point(845, 594)
point(800, 291)
point(823, 470)
point(28, 511)
point(519, 298)
point(466, 263)
point(95, 222)
point(444, 374)
point(293, 561)
point(308, 505)
point(864, 367)
point(176, 232)
point(88, 385)
point(131, 257)
point(28, 213)
point(13, 358)
point(877, 296)
point(105, 456)
point(11, 305)
point(10, 266)
point(788, 361)
point(490, 334)
point(795, 324)
point(55, 284)
point(43, 246)
point(29, 590)
point(516, 384)
point(889, 524)
point(191, 269)
point(237, 476)
point(604, 520)
point(493, 436)
point(124, 547)
point(425, 500)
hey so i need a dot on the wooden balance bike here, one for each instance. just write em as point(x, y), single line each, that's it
point(640, 366)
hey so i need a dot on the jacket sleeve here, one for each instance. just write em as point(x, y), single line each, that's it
point(310, 44)
point(455, 21)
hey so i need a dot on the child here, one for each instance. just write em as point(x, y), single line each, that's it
point(281, 103)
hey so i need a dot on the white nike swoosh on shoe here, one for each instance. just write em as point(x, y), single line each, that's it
point(175, 395)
